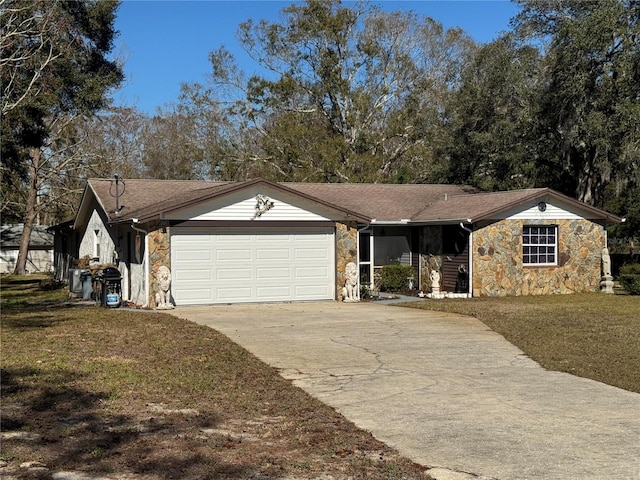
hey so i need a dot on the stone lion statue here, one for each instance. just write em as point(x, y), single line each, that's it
point(163, 297)
point(350, 291)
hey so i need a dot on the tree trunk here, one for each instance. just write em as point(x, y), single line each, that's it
point(30, 213)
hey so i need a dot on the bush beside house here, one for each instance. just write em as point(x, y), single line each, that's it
point(630, 278)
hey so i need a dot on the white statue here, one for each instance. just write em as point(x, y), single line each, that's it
point(435, 281)
point(606, 263)
point(350, 291)
point(163, 297)
point(263, 205)
point(606, 282)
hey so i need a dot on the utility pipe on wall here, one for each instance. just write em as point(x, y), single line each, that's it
point(467, 229)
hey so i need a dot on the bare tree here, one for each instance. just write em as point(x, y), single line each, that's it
point(26, 35)
point(56, 70)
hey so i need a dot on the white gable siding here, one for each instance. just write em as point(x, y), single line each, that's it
point(97, 241)
point(245, 209)
point(554, 211)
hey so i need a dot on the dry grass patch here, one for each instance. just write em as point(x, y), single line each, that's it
point(144, 395)
point(595, 335)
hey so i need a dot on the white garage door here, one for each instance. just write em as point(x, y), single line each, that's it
point(258, 265)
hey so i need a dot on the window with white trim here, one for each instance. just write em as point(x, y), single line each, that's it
point(540, 245)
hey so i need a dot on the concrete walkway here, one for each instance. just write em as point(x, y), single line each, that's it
point(442, 389)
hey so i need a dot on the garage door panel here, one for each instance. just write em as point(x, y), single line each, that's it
point(273, 237)
point(224, 274)
point(192, 275)
point(310, 254)
point(280, 254)
point(233, 255)
point(193, 294)
point(311, 290)
point(230, 238)
point(233, 294)
point(194, 255)
point(312, 273)
point(242, 265)
point(265, 274)
point(273, 292)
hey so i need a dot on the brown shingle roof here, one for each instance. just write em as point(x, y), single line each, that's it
point(487, 205)
point(480, 205)
point(426, 203)
point(138, 196)
point(383, 202)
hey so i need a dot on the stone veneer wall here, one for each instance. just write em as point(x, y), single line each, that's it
point(498, 268)
point(430, 254)
point(159, 255)
point(346, 251)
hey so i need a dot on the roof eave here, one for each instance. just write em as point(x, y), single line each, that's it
point(442, 221)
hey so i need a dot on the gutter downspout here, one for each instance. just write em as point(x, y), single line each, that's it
point(145, 261)
point(467, 229)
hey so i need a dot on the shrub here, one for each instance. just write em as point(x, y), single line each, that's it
point(365, 292)
point(630, 278)
point(394, 278)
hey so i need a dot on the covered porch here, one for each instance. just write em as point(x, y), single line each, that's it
point(443, 248)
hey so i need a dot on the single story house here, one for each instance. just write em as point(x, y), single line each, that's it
point(259, 241)
point(39, 256)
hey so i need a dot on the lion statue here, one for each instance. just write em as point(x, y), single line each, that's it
point(350, 291)
point(163, 297)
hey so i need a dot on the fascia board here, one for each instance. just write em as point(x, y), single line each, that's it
point(88, 196)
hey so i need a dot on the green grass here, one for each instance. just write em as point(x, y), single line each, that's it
point(594, 335)
point(114, 391)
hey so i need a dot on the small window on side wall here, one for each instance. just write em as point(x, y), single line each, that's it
point(540, 245)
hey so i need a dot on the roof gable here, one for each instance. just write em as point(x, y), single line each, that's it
point(499, 205)
point(241, 204)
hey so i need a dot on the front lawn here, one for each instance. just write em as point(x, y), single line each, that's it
point(593, 335)
point(143, 395)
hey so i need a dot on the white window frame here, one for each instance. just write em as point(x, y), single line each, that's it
point(368, 263)
point(539, 242)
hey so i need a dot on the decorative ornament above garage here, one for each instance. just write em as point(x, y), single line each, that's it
point(263, 205)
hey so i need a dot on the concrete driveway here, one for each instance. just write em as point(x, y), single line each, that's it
point(442, 389)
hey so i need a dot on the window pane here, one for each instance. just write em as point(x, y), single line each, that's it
point(390, 250)
point(365, 250)
point(365, 274)
point(539, 244)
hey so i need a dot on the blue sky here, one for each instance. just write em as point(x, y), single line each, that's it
point(166, 43)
